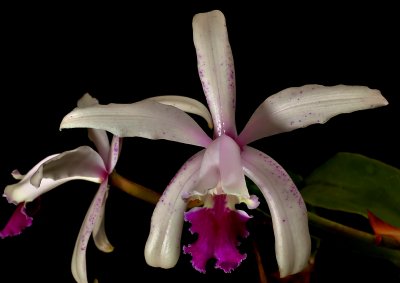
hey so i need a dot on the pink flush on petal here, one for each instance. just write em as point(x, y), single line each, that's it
point(18, 222)
point(218, 230)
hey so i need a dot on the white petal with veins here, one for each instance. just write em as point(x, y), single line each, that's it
point(186, 104)
point(216, 69)
point(299, 107)
point(147, 119)
point(82, 163)
point(163, 244)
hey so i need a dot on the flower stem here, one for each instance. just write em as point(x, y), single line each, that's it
point(389, 249)
point(134, 189)
point(323, 228)
point(261, 272)
point(335, 228)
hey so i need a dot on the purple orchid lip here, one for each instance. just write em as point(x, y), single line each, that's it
point(218, 229)
point(17, 223)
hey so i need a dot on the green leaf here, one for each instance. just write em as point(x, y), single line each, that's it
point(355, 183)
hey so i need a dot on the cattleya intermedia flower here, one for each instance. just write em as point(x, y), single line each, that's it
point(216, 174)
point(82, 163)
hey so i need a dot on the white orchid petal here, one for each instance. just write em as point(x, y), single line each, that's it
point(87, 100)
point(163, 244)
point(78, 263)
point(147, 119)
point(287, 208)
point(98, 137)
point(99, 234)
point(186, 104)
point(299, 107)
point(115, 150)
point(216, 69)
point(80, 163)
point(209, 175)
point(232, 175)
point(17, 175)
point(100, 140)
point(25, 191)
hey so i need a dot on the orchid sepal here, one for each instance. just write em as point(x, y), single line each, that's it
point(162, 247)
point(146, 118)
point(216, 69)
point(299, 107)
point(186, 104)
point(287, 208)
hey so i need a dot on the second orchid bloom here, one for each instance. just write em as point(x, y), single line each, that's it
point(82, 163)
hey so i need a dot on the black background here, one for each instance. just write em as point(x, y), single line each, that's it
point(52, 55)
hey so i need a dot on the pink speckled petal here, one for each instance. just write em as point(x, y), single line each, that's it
point(222, 165)
point(78, 264)
point(287, 208)
point(19, 221)
point(218, 229)
point(163, 244)
point(186, 104)
point(99, 233)
point(115, 150)
point(82, 163)
point(216, 69)
point(299, 107)
point(147, 119)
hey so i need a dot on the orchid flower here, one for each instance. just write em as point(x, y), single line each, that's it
point(216, 174)
point(82, 163)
